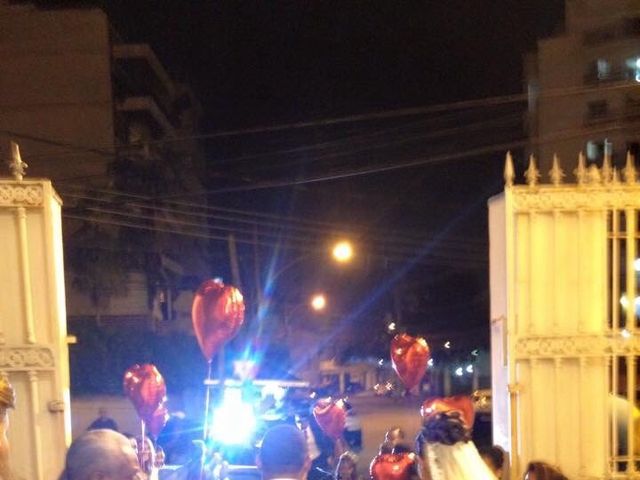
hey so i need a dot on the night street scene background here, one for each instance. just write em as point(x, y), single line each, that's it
point(241, 140)
point(338, 152)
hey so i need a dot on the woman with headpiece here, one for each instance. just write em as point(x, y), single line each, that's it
point(445, 443)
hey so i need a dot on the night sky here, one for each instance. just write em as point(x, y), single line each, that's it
point(267, 63)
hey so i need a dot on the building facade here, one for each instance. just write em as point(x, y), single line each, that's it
point(104, 120)
point(583, 84)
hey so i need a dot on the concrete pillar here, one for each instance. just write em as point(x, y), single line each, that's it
point(33, 348)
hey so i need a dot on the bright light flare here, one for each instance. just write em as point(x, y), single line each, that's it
point(343, 251)
point(318, 302)
point(447, 344)
point(277, 392)
point(234, 421)
point(625, 303)
point(392, 327)
point(459, 371)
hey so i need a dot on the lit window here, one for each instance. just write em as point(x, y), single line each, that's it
point(597, 148)
point(633, 64)
point(604, 68)
point(593, 150)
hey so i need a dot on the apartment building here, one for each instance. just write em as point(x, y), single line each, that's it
point(584, 84)
point(100, 116)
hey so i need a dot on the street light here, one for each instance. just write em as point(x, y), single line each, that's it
point(318, 302)
point(343, 251)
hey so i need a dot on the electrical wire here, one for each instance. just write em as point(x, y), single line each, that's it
point(278, 227)
point(564, 134)
point(417, 162)
point(430, 259)
point(382, 115)
point(303, 240)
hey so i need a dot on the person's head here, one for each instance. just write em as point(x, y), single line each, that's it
point(101, 455)
point(394, 435)
point(386, 447)
point(284, 453)
point(542, 471)
point(401, 447)
point(347, 467)
point(302, 420)
point(494, 458)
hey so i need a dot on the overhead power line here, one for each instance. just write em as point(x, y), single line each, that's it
point(382, 115)
point(417, 162)
point(430, 259)
point(248, 217)
point(387, 244)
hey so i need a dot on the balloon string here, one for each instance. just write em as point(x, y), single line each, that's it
point(205, 427)
point(143, 445)
point(207, 400)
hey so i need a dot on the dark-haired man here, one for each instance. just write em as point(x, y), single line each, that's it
point(101, 454)
point(284, 454)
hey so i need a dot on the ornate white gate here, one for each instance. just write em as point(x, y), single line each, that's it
point(564, 317)
point(33, 349)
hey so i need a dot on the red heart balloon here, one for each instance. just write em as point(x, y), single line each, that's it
point(391, 466)
point(331, 416)
point(409, 357)
point(158, 420)
point(459, 403)
point(145, 387)
point(217, 313)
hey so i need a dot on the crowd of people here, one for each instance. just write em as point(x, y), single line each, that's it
point(443, 450)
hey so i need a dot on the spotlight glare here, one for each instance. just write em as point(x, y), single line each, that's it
point(318, 302)
point(234, 420)
point(343, 251)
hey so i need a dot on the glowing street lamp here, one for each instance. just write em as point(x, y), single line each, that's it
point(318, 302)
point(342, 251)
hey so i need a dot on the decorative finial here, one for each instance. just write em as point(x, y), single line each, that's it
point(532, 174)
point(16, 165)
point(629, 170)
point(607, 172)
point(593, 174)
point(581, 170)
point(615, 176)
point(556, 174)
point(508, 170)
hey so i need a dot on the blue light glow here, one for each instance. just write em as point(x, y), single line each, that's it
point(234, 421)
point(276, 391)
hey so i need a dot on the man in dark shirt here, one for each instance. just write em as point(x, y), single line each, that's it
point(103, 421)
